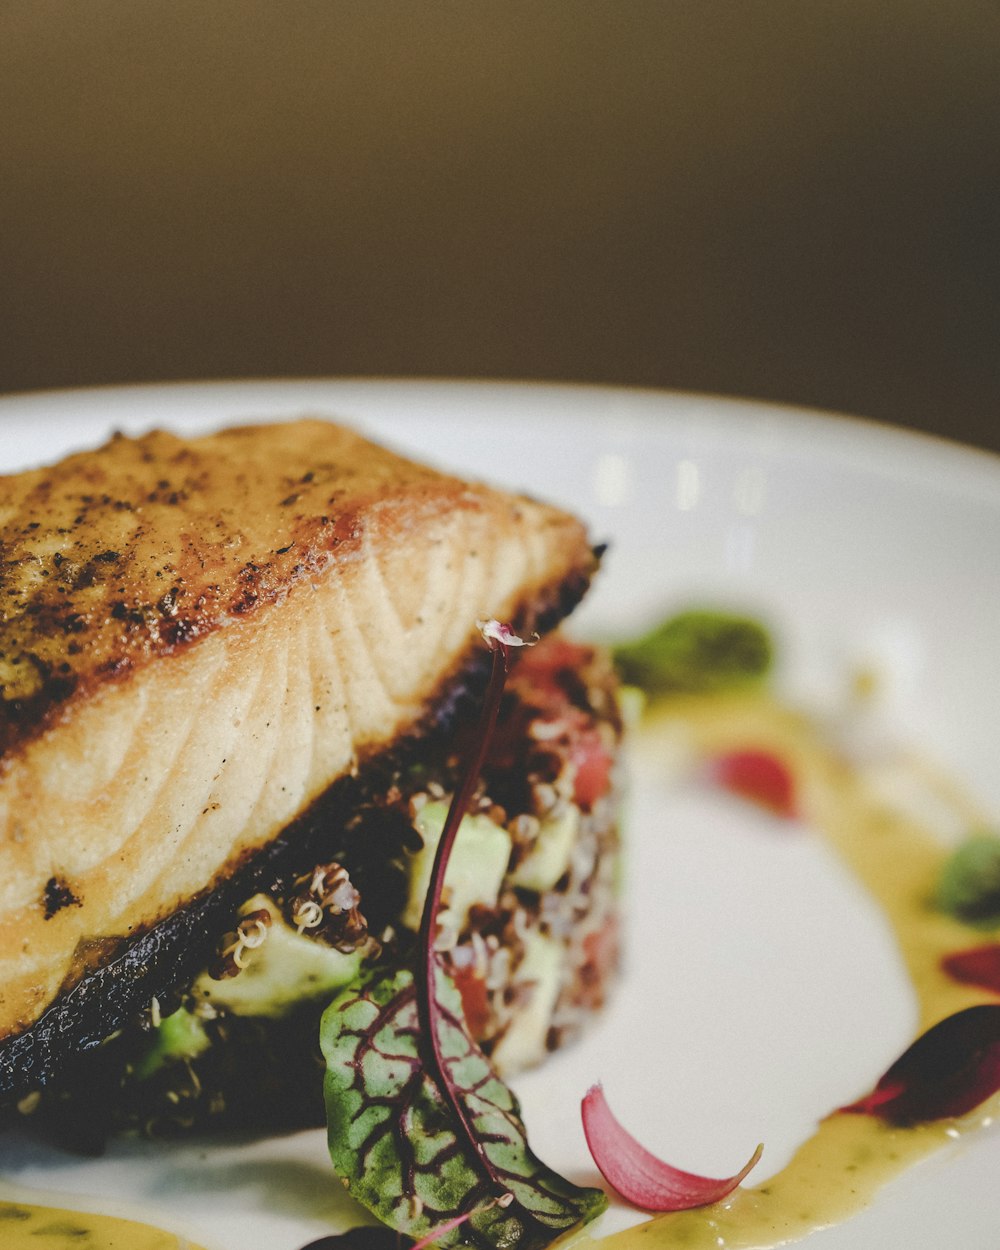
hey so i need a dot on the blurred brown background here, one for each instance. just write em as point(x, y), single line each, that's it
point(789, 199)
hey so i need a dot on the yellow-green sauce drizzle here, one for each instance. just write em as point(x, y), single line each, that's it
point(837, 1171)
point(26, 1226)
point(850, 1157)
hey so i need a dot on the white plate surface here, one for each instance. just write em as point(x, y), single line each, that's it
point(853, 542)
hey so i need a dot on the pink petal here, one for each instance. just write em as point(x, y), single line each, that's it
point(759, 776)
point(499, 634)
point(980, 965)
point(639, 1176)
point(947, 1071)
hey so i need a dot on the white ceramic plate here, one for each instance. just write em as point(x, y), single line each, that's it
point(852, 541)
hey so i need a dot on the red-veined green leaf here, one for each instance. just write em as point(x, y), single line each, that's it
point(395, 1141)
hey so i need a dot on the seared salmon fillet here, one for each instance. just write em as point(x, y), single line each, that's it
point(198, 639)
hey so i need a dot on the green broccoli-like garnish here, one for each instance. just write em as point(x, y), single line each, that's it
point(969, 885)
point(697, 651)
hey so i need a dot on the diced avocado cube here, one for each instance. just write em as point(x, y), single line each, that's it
point(475, 871)
point(548, 859)
point(286, 969)
point(178, 1036)
point(523, 1044)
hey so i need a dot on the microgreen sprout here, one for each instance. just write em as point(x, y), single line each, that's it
point(449, 1226)
point(499, 638)
point(419, 1125)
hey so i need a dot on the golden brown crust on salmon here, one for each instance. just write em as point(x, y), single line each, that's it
point(114, 557)
point(198, 637)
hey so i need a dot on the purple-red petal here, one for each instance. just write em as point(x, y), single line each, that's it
point(979, 965)
point(948, 1071)
point(639, 1176)
point(759, 776)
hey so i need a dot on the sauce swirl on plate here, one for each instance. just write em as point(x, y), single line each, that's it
point(838, 1170)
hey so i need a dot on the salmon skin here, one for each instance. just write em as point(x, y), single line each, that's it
point(199, 639)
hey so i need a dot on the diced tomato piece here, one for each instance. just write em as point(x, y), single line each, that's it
point(551, 656)
point(475, 1002)
point(979, 965)
point(593, 768)
point(540, 668)
point(759, 776)
point(602, 953)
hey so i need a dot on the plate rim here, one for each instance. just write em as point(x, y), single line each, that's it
point(983, 466)
point(786, 413)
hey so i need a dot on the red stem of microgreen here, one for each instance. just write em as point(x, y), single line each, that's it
point(450, 1225)
point(427, 1004)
